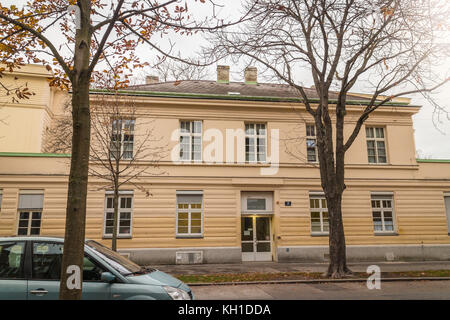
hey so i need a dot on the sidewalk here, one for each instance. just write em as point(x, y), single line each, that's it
point(275, 267)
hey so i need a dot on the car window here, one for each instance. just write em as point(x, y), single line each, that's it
point(46, 261)
point(91, 270)
point(11, 260)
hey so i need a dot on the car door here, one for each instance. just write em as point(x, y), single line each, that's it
point(46, 261)
point(13, 283)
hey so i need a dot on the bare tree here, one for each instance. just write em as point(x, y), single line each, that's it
point(104, 37)
point(119, 154)
point(389, 45)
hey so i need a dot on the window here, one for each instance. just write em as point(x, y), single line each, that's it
point(319, 214)
point(1, 198)
point(47, 259)
point(30, 213)
point(447, 209)
point(122, 139)
point(382, 213)
point(11, 260)
point(376, 147)
point(311, 143)
point(191, 140)
point(124, 214)
point(255, 142)
point(257, 202)
point(189, 214)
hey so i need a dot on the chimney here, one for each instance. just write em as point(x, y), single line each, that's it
point(151, 79)
point(223, 74)
point(251, 75)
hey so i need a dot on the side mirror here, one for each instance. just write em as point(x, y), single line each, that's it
point(108, 277)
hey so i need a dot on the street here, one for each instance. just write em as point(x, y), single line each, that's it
point(349, 290)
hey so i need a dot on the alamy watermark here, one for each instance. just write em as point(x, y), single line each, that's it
point(238, 147)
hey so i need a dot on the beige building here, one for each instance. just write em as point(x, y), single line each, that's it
point(240, 177)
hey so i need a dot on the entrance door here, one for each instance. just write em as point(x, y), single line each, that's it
point(256, 239)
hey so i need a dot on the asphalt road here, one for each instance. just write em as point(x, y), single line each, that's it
point(408, 290)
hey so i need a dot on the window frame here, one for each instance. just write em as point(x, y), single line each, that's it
point(191, 135)
point(321, 210)
point(383, 197)
point(314, 137)
point(122, 141)
point(189, 234)
point(375, 140)
point(30, 220)
point(107, 210)
point(257, 195)
point(255, 136)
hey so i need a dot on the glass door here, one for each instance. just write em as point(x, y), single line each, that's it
point(256, 239)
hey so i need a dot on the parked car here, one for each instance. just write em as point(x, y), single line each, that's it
point(30, 269)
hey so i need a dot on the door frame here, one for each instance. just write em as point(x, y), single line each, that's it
point(258, 256)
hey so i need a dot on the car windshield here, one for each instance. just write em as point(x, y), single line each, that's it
point(117, 261)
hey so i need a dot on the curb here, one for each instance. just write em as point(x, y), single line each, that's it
point(316, 281)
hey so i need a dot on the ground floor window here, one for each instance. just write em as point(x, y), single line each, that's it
point(319, 214)
point(189, 214)
point(124, 215)
point(382, 213)
point(447, 209)
point(30, 212)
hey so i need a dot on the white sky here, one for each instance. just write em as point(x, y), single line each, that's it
point(431, 142)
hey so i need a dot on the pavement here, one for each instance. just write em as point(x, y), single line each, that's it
point(405, 290)
point(274, 267)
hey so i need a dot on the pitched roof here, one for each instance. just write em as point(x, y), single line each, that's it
point(233, 89)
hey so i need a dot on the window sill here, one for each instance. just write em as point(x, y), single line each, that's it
point(322, 234)
point(385, 233)
point(200, 236)
point(118, 237)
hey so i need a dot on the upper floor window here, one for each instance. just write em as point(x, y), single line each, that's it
point(189, 213)
point(382, 213)
point(255, 142)
point(311, 143)
point(319, 214)
point(124, 215)
point(30, 212)
point(122, 139)
point(376, 146)
point(191, 140)
point(447, 209)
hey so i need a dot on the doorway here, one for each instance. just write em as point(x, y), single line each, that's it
point(256, 238)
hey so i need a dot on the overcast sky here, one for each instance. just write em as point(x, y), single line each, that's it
point(432, 138)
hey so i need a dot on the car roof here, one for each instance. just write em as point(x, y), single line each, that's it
point(34, 238)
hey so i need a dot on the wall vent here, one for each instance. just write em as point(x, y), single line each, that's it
point(189, 257)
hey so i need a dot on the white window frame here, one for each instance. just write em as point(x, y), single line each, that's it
point(255, 138)
point(381, 198)
point(122, 132)
point(30, 219)
point(267, 196)
point(110, 194)
point(375, 141)
point(312, 137)
point(189, 234)
point(30, 211)
point(190, 135)
point(321, 210)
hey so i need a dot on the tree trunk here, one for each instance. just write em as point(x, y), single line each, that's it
point(76, 198)
point(338, 258)
point(116, 219)
point(78, 177)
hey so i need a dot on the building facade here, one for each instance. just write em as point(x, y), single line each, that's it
point(239, 181)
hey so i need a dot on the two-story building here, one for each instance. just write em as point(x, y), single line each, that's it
point(241, 179)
